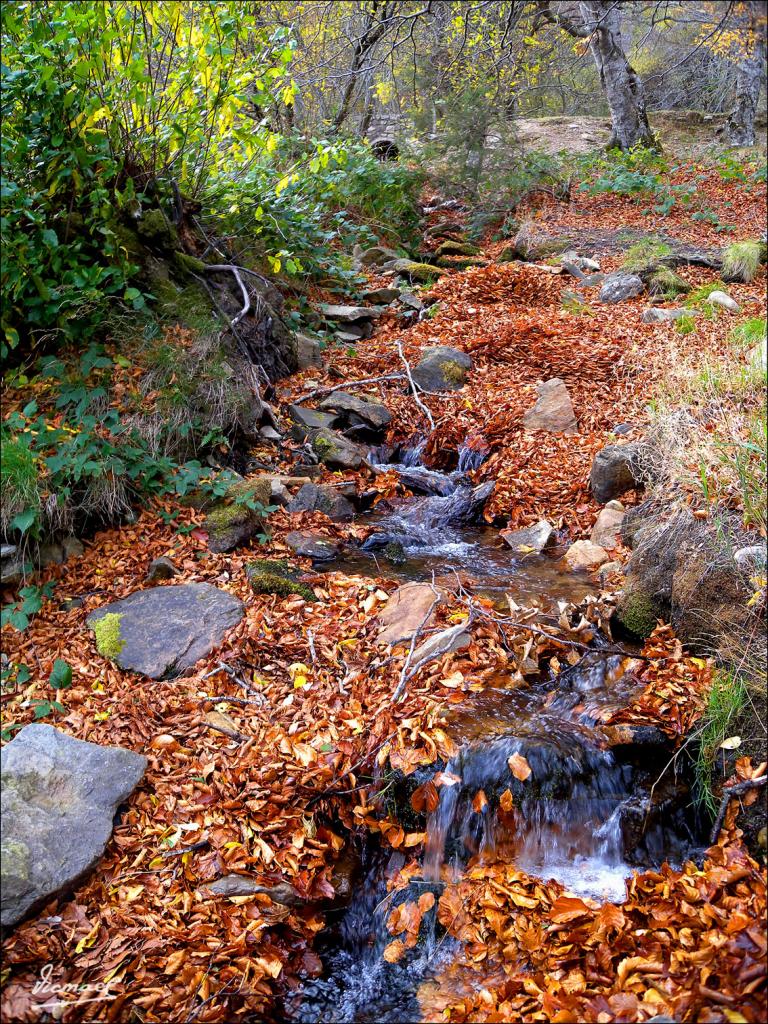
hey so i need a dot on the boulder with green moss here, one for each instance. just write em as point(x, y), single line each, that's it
point(240, 515)
point(451, 248)
point(59, 798)
point(414, 271)
point(273, 576)
point(336, 451)
point(442, 369)
point(664, 283)
point(162, 632)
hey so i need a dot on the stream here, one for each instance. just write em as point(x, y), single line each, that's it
point(587, 816)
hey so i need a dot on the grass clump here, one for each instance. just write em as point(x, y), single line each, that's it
point(698, 297)
point(752, 332)
point(742, 260)
point(726, 701)
point(19, 487)
point(666, 284)
point(644, 255)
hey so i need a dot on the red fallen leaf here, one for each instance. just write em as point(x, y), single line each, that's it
point(426, 901)
point(425, 798)
point(506, 801)
point(394, 951)
point(568, 908)
point(480, 802)
point(200, 535)
point(519, 767)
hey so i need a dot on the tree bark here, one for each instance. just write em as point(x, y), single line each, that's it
point(600, 23)
point(740, 129)
point(622, 85)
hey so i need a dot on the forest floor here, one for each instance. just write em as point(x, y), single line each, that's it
point(278, 799)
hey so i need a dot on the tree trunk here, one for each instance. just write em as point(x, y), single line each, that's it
point(621, 83)
point(740, 129)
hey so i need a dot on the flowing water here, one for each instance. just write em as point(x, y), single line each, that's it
point(587, 815)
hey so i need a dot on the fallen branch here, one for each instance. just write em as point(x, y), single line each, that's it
point(231, 269)
point(728, 795)
point(347, 385)
point(414, 386)
point(188, 849)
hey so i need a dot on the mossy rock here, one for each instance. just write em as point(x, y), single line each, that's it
point(638, 614)
point(508, 254)
point(156, 230)
point(188, 264)
point(442, 369)
point(421, 272)
point(463, 263)
point(336, 451)
point(273, 576)
point(450, 248)
point(234, 521)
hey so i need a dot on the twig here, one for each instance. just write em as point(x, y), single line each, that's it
point(414, 386)
point(223, 667)
point(404, 676)
point(222, 698)
point(239, 736)
point(728, 795)
point(347, 385)
point(187, 849)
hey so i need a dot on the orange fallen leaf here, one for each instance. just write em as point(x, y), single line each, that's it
point(519, 767)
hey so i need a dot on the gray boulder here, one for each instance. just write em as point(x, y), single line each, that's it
point(163, 632)
point(665, 316)
point(442, 369)
point(381, 296)
point(59, 798)
point(553, 410)
point(309, 352)
point(160, 569)
point(11, 564)
point(348, 314)
point(312, 545)
point(233, 521)
point(371, 413)
point(322, 498)
point(615, 470)
point(310, 419)
point(619, 287)
point(335, 451)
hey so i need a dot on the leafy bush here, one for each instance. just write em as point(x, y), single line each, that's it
point(308, 203)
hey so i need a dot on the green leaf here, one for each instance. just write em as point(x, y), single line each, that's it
point(24, 520)
point(61, 675)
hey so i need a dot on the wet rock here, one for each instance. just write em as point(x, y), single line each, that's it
point(50, 554)
point(270, 434)
point(335, 451)
point(553, 410)
point(373, 414)
point(309, 352)
point(234, 521)
point(606, 532)
point(623, 428)
point(442, 369)
point(615, 470)
point(322, 498)
point(274, 576)
point(164, 631)
point(381, 296)
point(723, 300)
point(11, 564)
point(662, 316)
point(608, 569)
point(531, 539)
point(406, 611)
point(631, 735)
point(312, 545)
point(620, 287)
point(585, 555)
point(593, 280)
point(59, 798)
point(348, 314)
point(311, 419)
point(160, 569)
point(279, 493)
point(394, 553)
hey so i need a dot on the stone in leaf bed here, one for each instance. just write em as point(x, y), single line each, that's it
point(59, 797)
point(164, 631)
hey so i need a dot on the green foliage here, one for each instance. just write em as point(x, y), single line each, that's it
point(748, 334)
point(308, 203)
point(624, 173)
point(666, 284)
point(685, 325)
point(20, 613)
point(724, 704)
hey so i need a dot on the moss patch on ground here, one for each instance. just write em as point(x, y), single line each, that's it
point(273, 576)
